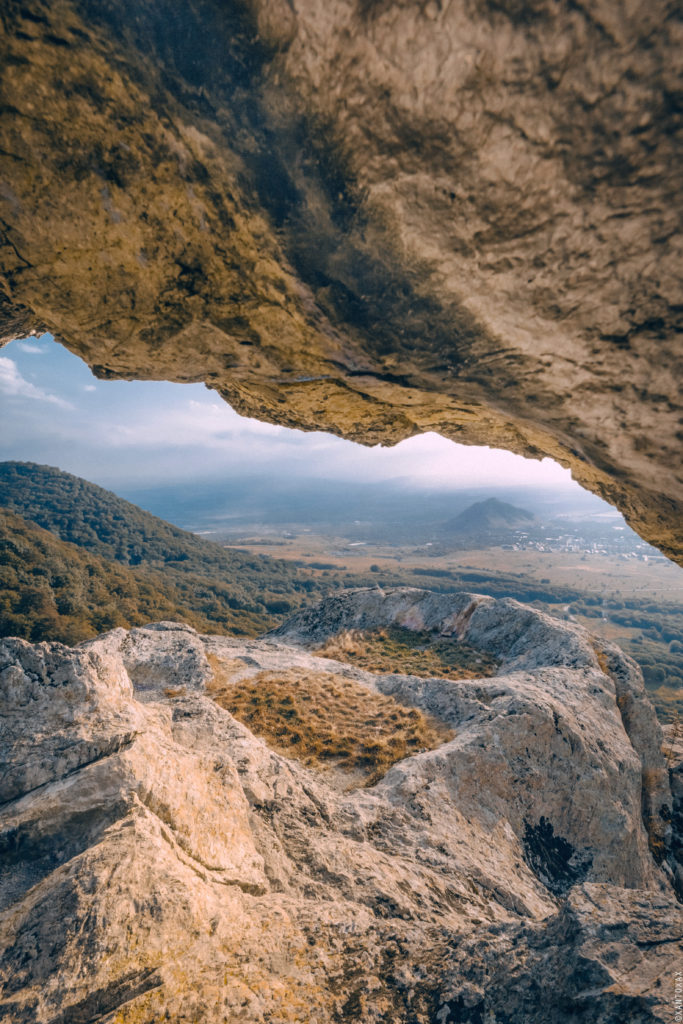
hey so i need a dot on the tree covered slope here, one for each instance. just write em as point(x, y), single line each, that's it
point(76, 559)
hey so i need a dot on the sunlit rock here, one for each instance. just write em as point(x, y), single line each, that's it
point(161, 862)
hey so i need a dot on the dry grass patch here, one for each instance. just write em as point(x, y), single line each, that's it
point(602, 660)
point(415, 652)
point(175, 691)
point(325, 720)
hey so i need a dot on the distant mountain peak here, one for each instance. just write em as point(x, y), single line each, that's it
point(490, 514)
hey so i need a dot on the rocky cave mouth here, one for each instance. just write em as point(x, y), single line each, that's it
point(387, 803)
point(56, 389)
point(258, 198)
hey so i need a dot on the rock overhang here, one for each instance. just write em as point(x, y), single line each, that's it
point(372, 219)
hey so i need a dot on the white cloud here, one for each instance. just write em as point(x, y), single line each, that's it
point(218, 418)
point(208, 425)
point(204, 437)
point(89, 387)
point(34, 350)
point(434, 461)
point(13, 384)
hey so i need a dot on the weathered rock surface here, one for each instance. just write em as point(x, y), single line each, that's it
point(372, 218)
point(160, 863)
point(673, 747)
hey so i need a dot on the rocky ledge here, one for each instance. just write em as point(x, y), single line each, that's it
point(161, 863)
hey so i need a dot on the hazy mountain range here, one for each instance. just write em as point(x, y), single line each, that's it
point(241, 502)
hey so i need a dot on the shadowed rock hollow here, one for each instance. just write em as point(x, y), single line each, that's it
point(372, 218)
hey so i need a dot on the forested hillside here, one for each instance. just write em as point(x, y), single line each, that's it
point(98, 520)
point(51, 590)
point(105, 562)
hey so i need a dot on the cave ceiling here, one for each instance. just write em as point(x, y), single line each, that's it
point(373, 218)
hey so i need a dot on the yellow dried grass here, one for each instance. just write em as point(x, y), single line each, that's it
point(324, 719)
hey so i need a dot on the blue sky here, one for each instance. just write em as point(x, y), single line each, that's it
point(125, 434)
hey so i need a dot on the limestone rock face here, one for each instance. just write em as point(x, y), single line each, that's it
point(160, 862)
point(674, 759)
point(372, 218)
